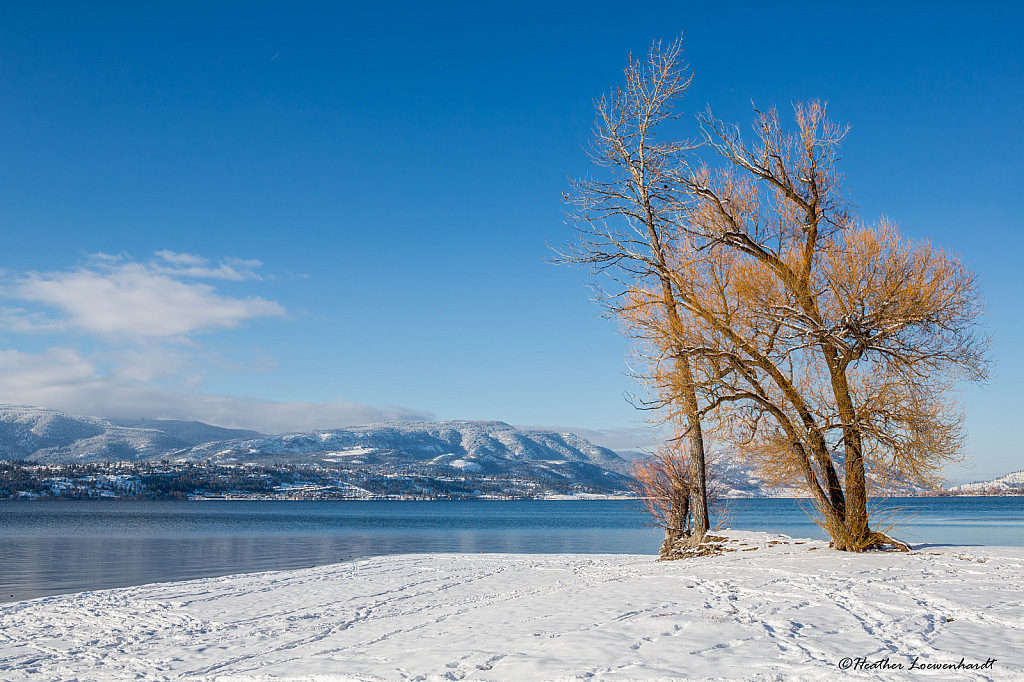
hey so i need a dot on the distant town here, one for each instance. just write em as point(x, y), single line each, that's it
point(166, 480)
point(208, 481)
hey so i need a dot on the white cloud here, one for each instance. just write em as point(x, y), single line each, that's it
point(180, 259)
point(31, 377)
point(197, 267)
point(133, 301)
point(29, 322)
point(105, 258)
point(64, 379)
point(141, 315)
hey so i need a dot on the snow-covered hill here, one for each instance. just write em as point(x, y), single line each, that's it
point(735, 478)
point(51, 436)
point(433, 448)
point(445, 449)
point(451, 448)
point(190, 433)
point(1010, 482)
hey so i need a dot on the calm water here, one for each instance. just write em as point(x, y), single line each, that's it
point(54, 547)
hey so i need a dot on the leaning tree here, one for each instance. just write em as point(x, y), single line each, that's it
point(626, 218)
point(825, 347)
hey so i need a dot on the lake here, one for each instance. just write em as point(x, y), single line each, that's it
point(55, 547)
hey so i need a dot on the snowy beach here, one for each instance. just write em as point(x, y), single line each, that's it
point(773, 609)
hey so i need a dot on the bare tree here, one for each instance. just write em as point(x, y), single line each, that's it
point(662, 482)
point(814, 333)
point(627, 218)
point(820, 347)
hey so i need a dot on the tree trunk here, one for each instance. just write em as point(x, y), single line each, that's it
point(676, 528)
point(855, 523)
point(698, 469)
point(833, 514)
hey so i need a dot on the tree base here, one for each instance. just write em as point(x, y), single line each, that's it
point(690, 546)
point(873, 541)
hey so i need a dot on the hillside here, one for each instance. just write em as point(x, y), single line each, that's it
point(51, 436)
point(734, 478)
point(446, 449)
point(436, 449)
point(188, 432)
point(481, 448)
point(1010, 483)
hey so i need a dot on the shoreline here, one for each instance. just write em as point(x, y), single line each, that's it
point(583, 497)
point(796, 609)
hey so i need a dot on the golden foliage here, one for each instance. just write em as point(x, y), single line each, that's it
point(823, 350)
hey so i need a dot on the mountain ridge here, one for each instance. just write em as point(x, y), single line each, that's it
point(441, 448)
point(447, 449)
point(190, 432)
point(1007, 483)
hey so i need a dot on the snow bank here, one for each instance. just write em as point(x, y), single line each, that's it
point(789, 611)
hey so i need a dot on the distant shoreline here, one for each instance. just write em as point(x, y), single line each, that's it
point(549, 498)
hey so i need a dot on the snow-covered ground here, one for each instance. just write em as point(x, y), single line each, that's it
point(790, 611)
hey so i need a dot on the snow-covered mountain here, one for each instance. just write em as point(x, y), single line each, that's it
point(432, 448)
point(450, 448)
point(733, 478)
point(1013, 481)
point(51, 436)
point(447, 448)
point(190, 433)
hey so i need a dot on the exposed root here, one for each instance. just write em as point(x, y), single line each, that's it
point(881, 541)
point(689, 547)
point(874, 540)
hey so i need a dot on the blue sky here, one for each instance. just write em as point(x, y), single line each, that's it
point(295, 215)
